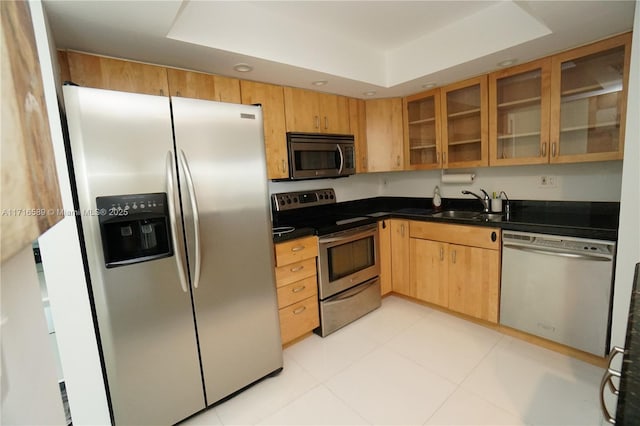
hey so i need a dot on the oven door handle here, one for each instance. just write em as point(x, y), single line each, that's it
point(354, 291)
point(341, 159)
point(349, 237)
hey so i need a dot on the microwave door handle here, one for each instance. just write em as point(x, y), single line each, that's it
point(341, 159)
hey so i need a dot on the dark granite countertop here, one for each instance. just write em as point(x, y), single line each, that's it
point(628, 411)
point(595, 220)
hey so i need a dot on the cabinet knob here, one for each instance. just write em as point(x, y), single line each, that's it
point(317, 119)
point(494, 236)
point(326, 123)
point(544, 149)
point(453, 256)
point(553, 149)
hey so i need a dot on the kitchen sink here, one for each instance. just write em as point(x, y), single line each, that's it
point(457, 214)
point(468, 215)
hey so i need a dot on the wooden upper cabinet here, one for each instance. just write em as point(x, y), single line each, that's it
point(358, 126)
point(271, 98)
point(314, 112)
point(196, 85)
point(422, 138)
point(465, 123)
point(384, 135)
point(588, 101)
point(519, 102)
point(115, 74)
point(334, 110)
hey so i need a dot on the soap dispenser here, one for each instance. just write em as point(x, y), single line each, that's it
point(436, 202)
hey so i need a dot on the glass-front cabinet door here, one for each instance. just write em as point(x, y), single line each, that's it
point(423, 149)
point(589, 96)
point(519, 100)
point(465, 123)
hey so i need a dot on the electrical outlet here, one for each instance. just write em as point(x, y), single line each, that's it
point(547, 181)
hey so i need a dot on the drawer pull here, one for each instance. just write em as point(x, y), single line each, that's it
point(298, 289)
point(297, 248)
point(297, 268)
point(299, 310)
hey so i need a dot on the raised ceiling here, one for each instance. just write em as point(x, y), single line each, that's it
point(391, 47)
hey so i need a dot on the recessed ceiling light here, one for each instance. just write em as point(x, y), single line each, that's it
point(370, 93)
point(506, 62)
point(243, 67)
point(319, 82)
point(429, 85)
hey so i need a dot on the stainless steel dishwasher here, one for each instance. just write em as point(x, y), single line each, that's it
point(558, 288)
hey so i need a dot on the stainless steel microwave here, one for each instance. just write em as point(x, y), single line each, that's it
point(316, 155)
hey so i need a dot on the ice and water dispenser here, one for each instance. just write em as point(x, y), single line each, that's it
point(134, 228)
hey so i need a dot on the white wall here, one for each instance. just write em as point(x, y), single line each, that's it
point(629, 230)
point(574, 182)
point(63, 267)
point(30, 392)
point(347, 189)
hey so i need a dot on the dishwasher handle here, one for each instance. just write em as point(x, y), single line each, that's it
point(542, 250)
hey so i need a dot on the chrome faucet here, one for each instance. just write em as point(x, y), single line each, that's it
point(484, 200)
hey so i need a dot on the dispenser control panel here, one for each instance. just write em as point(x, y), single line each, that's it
point(134, 228)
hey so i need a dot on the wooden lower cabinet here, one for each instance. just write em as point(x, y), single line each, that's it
point(429, 271)
point(400, 282)
point(297, 287)
point(384, 251)
point(459, 277)
point(474, 277)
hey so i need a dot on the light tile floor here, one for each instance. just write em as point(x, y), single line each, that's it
point(407, 364)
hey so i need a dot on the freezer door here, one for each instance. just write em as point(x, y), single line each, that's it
point(223, 174)
point(119, 143)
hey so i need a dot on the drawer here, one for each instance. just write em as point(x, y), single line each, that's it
point(474, 236)
point(297, 291)
point(298, 319)
point(288, 274)
point(296, 250)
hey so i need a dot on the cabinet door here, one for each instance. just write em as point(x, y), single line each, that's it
point(115, 74)
point(474, 277)
point(519, 101)
point(358, 127)
point(197, 85)
point(334, 114)
point(271, 98)
point(429, 271)
point(588, 104)
point(384, 251)
point(302, 110)
point(384, 134)
point(422, 139)
point(400, 281)
point(465, 124)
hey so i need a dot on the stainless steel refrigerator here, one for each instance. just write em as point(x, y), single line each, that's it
point(173, 201)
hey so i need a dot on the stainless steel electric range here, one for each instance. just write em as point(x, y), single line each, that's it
point(348, 257)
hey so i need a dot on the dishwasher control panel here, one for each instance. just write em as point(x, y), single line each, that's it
point(560, 243)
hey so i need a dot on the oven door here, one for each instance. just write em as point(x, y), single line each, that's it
point(346, 259)
point(318, 160)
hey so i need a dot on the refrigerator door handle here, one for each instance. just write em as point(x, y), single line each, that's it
point(170, 176)
point(196, 218)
